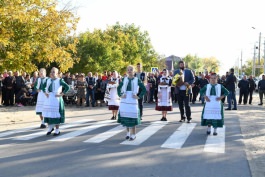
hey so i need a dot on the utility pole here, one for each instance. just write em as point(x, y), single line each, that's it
point(254, 62)
point(264, 59)
point(241, 63)
point(259, 52)
point(238, 65)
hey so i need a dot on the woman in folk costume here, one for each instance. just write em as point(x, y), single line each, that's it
point(129, 113)
point(114, 101)
point(213, 112)
point(164, 103)
point(53, 109)
point(40, 87)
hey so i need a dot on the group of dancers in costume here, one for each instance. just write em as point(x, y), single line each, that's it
point(123, 101)
point(50, 105)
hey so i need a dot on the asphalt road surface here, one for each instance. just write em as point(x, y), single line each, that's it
point(91, 145)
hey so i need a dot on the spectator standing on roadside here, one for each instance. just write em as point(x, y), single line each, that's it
point(1, 86)
point(252, 86)
point(261, 88)
point(91, 83)
point(243, 85)
point(33, 79)
point(19, 83)
point(9, 86)
point(231, 87)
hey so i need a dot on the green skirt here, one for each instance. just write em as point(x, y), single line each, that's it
point(215, 123)
point(60, 119)
point(129, 122)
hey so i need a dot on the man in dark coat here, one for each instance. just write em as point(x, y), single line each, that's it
point(261, 87)
point(9, 85)
point(243, 85)
point(231, 87)
point(252, 86)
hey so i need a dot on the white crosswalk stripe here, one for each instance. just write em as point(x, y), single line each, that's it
point(43, 132)
point(8, 133)
point(106, 135)
point(216, 144)
point(178, 138)
point(147, 132)
point(83, 130)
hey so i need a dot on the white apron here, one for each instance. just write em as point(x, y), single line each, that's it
point(41, 96)
point(113, 94)
point(129, 106)
point(51, 105)
point(212, 109)
point(165, 93)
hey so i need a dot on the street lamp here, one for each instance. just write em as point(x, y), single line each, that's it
point(255, 47)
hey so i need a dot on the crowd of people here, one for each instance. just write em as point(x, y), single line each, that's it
point(125, 94)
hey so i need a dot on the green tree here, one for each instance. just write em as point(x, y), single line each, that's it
point(211, 64)
point(114, 49)
point(193, 62)
point(31, 33)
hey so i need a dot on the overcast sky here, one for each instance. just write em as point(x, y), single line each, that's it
point(219, 28)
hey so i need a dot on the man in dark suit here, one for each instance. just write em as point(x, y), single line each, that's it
point(244, 86)
point(252, 86)
point(181, 91)
point(91, 85)
point(231, 87)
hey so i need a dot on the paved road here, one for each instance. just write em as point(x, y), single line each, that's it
point(93, 146)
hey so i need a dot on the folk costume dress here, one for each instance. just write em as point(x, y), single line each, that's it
point(53, 109)
point(40, 84)
point(164, 90)
point(213, 112)
point(129, 113)
point(114, 101)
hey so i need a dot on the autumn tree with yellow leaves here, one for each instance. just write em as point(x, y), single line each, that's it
point(33, 32)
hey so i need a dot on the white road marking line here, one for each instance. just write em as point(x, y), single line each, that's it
point(43, 132)
point(11, 132)
point(106, 135)
point(216, 143)
point(178, 138)
point(83, 130)
point(147, 132)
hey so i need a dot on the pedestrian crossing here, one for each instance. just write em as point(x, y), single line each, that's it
point(176, 139)
point(146, 133)
point(181, 134)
